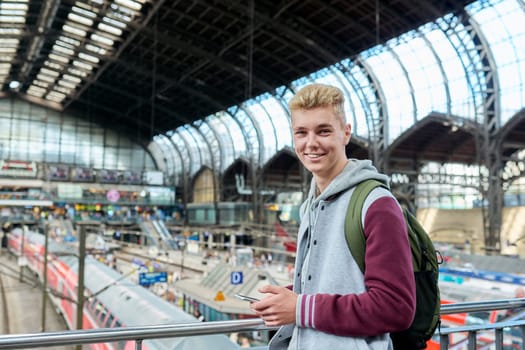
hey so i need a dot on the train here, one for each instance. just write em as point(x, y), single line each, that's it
point(112, 300)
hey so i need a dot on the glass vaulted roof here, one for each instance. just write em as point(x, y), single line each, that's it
point(88, 35)
point(434, 68)
point(449, 66)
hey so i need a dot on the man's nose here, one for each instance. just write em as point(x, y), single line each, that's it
point(311, 138)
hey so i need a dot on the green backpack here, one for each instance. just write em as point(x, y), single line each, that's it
point(424, 259)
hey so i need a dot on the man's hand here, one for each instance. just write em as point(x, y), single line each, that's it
point(278, 307)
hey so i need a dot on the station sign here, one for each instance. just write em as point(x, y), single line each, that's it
point(147, 278)
point(236, 277)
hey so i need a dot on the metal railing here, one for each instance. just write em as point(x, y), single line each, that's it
point(494, 342)
point(108, 335)
point(139, 334)
point(493, 332)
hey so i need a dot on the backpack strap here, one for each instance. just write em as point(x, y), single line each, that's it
point(354, 233)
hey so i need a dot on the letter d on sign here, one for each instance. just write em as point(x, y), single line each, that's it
point(236, 277)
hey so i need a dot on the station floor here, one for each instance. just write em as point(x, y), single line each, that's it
point(23, 300)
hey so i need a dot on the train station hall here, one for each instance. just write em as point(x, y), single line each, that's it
point(276, 175)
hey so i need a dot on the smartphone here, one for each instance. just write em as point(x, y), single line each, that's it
point(246, 298)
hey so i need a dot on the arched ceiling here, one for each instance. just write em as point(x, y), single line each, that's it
point(436, 138)
point(512, 135)
point(178, 61)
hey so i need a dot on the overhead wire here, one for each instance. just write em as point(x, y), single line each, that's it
point(154, 75)
point(249, 82)
point(378, 21)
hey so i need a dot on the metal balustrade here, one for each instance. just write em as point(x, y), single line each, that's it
point(106, 335)
point(471, 341)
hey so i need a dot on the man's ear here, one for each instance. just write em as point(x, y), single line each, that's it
point(348, 133)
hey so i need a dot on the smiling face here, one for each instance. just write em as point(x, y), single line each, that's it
point(320, 138)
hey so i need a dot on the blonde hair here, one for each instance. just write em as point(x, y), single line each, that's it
point(319, 95)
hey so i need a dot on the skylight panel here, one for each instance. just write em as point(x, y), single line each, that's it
point(58, 58)
point(4, 18)
point(36, 91)
point(13, 6)
point(102, 39)
point(109, 29)
point(86, 11)
point(5, 68)
point(129, 4)
point(12, 42)
point(49, 72)
point(56, 96)
point(123, 10)
point(82, 65)
point(67, 84)
point(10, 31)
point(96, 49)
point(115, 13)
point(7, 49)
point(87, 57)
point(41, 83)
point(114, 22)
point(10, 12)
point(6, 58)
point(68, 41)
point(77, 72)
point(53, 65)
point(72, 78)
point(46, 78)
point(64, 50)
point(74, 30)
point(64, 90)
point(80, 19)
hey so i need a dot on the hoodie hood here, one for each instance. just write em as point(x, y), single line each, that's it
point(353, 173)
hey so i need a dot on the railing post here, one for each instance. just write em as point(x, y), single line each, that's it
point(499, 338)
point(443, 341)
point(138, 344)
point(44, 287)
point(472, 340)
point(22, 257)
point(81, 270)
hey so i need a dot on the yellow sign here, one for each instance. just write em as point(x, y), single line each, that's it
point(219, 296)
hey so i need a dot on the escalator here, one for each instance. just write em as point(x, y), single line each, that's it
point(150, 234)
point(158, 235)
point(165, 234)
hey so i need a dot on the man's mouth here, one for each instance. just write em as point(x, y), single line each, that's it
point(313, 155)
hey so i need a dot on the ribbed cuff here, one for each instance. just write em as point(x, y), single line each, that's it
point(304, 314)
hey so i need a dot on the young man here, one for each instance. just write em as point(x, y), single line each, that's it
point(331, 304)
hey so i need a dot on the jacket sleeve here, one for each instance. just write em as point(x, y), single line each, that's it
point(389, 303)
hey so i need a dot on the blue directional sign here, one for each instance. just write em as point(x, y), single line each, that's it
point(147, 278)
point(236, 277)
